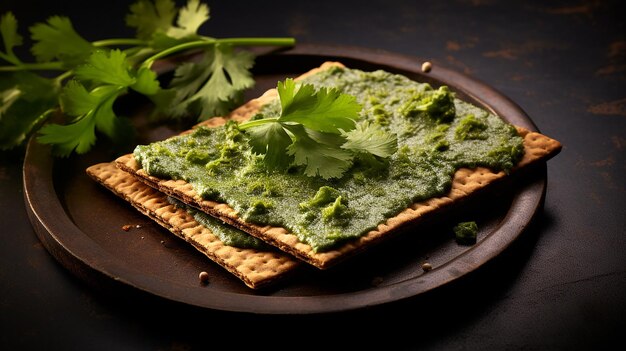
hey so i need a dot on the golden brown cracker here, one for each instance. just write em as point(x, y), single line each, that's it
point(254, 267)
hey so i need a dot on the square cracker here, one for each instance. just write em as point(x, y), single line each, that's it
point(254, 267)
point(466, 182)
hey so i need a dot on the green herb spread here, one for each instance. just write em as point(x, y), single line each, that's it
point(465, 233)
point(436, 134)
point(230, 236)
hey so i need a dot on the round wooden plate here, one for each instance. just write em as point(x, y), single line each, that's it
point(80, 223)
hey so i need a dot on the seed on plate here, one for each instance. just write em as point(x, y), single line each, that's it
point(427, 267)
point(427, 66)
point(204, 277)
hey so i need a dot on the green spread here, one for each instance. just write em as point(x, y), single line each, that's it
point(228, 235)
point(437, 134)
point(465, 233)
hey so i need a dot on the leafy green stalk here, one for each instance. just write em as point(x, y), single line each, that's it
point(206, 42)
point(93, 74)
point(316, 130)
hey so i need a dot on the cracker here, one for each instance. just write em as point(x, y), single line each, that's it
point(466, 182)
point(254, 267)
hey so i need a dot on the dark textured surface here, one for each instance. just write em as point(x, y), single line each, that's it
point(78, 221)
point(563, 286)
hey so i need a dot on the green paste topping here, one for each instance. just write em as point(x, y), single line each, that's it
point(437, 134)
point(465, 233)
point(230, 236)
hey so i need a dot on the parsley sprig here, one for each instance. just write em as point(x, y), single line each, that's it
point(91, 75)
point(316, 130)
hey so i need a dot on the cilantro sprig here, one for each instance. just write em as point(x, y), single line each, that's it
point(91, 75)
point(317, 130)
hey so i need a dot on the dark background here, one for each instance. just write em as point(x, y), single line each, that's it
point(561, 286)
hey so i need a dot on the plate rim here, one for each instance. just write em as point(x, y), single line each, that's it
point(83, 257)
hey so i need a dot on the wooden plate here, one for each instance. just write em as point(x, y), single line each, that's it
point(80, 222)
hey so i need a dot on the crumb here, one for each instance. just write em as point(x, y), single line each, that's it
point(427, 66)
point(126, 227)
point(427, 267)
point(138, 226)
point(204, 278)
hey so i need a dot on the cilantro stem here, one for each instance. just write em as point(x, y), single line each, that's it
point(58, 80)
point(206, 41)
point(10, 57)
point(257, 122)
point(119, 41)
point(258, 41)
point(20, 66)
point(33, 66)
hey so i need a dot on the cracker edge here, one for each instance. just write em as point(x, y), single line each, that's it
point(181, 224)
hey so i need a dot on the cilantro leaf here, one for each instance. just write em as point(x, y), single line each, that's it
point(76, 100)
point(106, 120)
point(93, 111)
point(15, 129)
point(111, 76)
point(319, 159)
point(57, 39)
point(146, 82)
point(148, 17)
point(370, 139)
point(78, 136)
point(25, 101)
point(106, 68)
point(8, 30)
point(112, 68)
point(190, 18)
point(25, 86)
point(317, 130)
point(118, 129)
point(7, 98)
point(326, 111)
point(212, 86)
point(272, 140)
point(164, 35)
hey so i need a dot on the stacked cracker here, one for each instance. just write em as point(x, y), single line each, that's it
point(256, 268)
